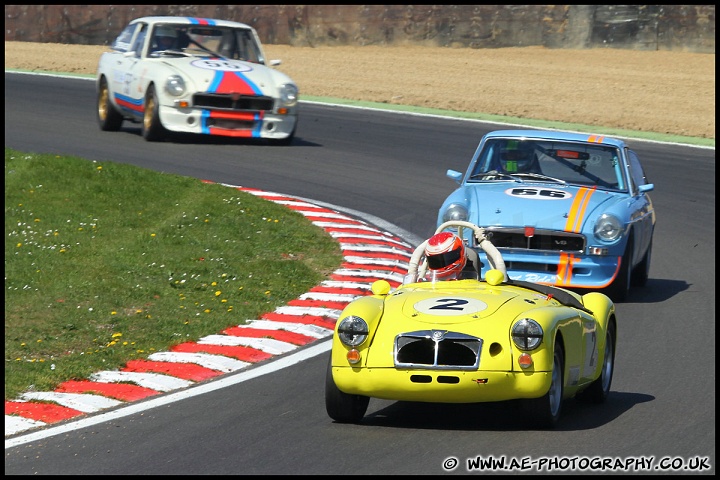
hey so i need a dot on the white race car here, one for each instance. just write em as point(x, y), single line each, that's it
point(194, 75)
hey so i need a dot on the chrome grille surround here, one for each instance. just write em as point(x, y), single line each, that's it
point(542, 240)
point(233, 102)
point(437, 350)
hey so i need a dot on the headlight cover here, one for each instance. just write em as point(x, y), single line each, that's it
point(288, 94)
point(527, 334)
point(455, 212)
point(352, 331)
point(175, 85)
point(608, 228)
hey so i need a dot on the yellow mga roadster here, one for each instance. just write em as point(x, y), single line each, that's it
point(478, 338)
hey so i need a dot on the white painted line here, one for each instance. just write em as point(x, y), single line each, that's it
point(83, 402)
point(314, 311)
point(327, 297)
point(15, 424)
point(338, 284)
point(376, 261)
point(349, 226)
point(267, 345)
point(156, 381)
point(374, 249)
point(213, 362)
point(153, 402)
point(307, 329)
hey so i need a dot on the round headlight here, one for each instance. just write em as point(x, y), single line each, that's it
point(608, 228)
point(527, 334)
point(175, 85)
point(288, 94)
point(455, 212)
point(352, 331)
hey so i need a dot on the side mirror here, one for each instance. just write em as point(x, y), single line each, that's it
point(455, 176)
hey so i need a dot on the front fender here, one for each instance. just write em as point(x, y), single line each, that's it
point(370, 309)
point(604, 312)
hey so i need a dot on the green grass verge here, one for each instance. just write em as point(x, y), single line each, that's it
point(105, 263)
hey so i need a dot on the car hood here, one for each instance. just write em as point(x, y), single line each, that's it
point(229, 76)
point(463, 306)
point(556, 207)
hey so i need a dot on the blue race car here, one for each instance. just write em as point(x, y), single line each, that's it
point(564, 209)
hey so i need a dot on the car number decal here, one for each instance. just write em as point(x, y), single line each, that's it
point(222, 65)
point(538, 193)
point(450, 306)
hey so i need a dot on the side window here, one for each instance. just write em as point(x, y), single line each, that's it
point(248, 47)
point(139, 42)
point(122, 42)
point(636, 171)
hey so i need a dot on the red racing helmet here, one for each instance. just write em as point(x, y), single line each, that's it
point(445, 254)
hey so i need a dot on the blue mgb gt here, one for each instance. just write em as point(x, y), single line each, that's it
point(565, 209)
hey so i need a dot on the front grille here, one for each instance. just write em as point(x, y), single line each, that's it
point(548, 240)
point(437, 349)
point(231, 124)
point(226, 102)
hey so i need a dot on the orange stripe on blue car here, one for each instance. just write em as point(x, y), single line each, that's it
point(577, 209)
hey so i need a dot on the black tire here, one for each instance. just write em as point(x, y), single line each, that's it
point(642, 272)
point(109, 119)
point(152, 129)
point(545, 411)
point(340, 406)
point(620, 288)
point(599, 390)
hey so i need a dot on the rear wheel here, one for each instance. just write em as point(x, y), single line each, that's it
point(545, 411)
point(152, 129)
point(599, 390)
point(340, 406)
point(108, 118)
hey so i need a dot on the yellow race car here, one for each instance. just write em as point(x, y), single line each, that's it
point(471, 340)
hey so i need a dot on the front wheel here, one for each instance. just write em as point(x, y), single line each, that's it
point(642, 272)
point(340, 406)
point(284, 142)
point(108, 118)
point(545, 411)
point(620, 288)
point(152, 129)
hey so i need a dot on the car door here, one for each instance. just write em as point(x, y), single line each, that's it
point(128, 50)
point(643, 213)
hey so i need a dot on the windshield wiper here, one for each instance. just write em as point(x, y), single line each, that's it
point(540, 176)
point(494, 175)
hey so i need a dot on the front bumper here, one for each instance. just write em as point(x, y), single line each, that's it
point(258, 124)
point(441, 386)
point(560, 269)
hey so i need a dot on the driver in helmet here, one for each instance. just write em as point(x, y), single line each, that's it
point(519, 158)
point(445, 255)
point(164, 39)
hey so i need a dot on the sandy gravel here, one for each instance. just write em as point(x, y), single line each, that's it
point(662, 92)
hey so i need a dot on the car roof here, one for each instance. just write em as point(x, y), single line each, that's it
point(191, 21)
point(557, 135)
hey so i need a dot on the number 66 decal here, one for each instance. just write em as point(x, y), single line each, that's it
point(450, 306)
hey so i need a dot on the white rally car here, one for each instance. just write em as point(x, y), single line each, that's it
point(194, 75)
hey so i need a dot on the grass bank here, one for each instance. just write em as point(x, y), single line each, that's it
point(106, 262)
